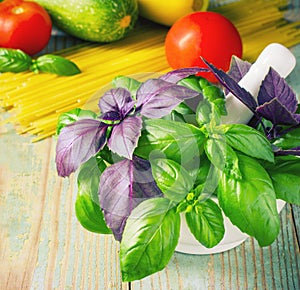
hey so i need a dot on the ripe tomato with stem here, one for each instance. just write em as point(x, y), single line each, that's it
point(24, 25)
point(202, 34)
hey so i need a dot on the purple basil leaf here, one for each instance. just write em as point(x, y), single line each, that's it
point(176, 75)
point(238, 68)
point(232, 86)
point(117, 100)
point(123, 186)
point(274, 86)
point(124, 136)
point(157, 98)
point(78, 142)
point(277, 113)
point(294, 151)
point(111, 116)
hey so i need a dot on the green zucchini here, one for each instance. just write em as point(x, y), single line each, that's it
point(93, 20)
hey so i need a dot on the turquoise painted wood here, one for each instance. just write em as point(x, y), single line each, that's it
point(42, 245)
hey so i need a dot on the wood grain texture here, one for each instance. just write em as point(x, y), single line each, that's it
point(42, 244)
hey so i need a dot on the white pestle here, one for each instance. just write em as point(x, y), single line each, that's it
point(274, 55)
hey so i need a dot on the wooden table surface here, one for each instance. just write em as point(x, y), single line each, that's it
point(42, 246)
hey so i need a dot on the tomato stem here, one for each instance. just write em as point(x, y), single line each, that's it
point(17, 10)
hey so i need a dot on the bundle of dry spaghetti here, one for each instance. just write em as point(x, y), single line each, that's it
point(36, 100)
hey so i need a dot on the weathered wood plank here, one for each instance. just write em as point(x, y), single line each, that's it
point(42, 244)
point(296, 218)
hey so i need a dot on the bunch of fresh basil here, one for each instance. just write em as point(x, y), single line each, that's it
point(148, 158)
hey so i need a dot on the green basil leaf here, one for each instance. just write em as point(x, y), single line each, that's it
point(149, 239)
point(183, 109)
point(204, 168)
point(212, 93)
point(73, 116)
point(109, 156)
point(203, 82)
point(212, 107)
point(172, 179)
point(209, 186)
point(289, 140)
point(177, 141)
point(250, 203)
point(220, 106)
point(55, 64)
point(204, 112)
point(248, 140)
point(285, 175)
point(87, 208)
point(14, 60)
point(222, 156)
point(191, 82)
point(128, 83)
point(89, 215)
point(89, 177)
point(205, 222)
point(182, 113)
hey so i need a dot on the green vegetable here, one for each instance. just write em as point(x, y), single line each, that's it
point(15, 60)
point(93, 20)
point(289, 140)
point(204, 112)
point(250, 203)
point(285, 175)
point(87, 208)
point(73, 116)
point(149, 238)
point(55, 64)
point(172, 179)
point(90, 215)
point(205, 222)
point(130, 84)
point(240, 136)
point(222, 156)
point(175, 140)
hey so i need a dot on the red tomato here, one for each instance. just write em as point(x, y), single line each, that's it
point(206, 34)
point(24, 25)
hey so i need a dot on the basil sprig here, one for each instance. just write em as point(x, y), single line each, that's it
point(168, 161)
point(15, 60)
